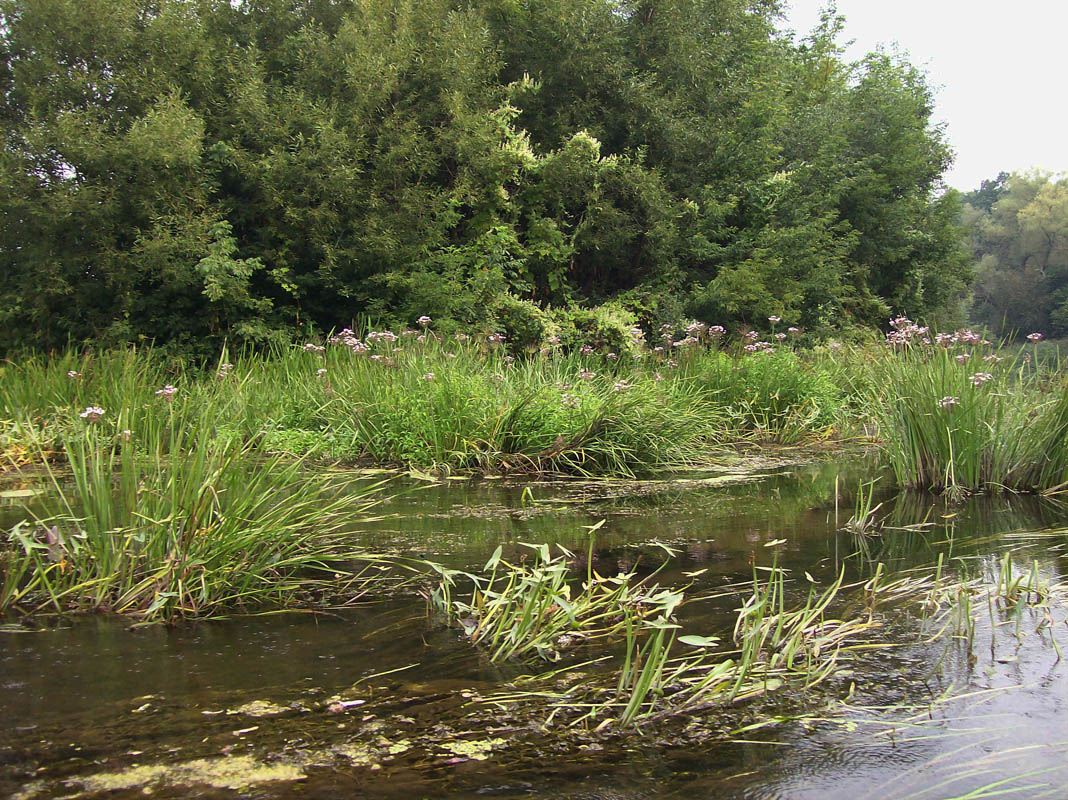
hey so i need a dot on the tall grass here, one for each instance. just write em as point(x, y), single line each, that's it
point(965, 416)
point(192, 529)
point(456, 404)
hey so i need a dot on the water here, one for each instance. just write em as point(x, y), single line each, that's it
point(92, 708)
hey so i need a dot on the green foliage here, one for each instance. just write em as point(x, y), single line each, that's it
point(963, 417)
point(194, 173)
point(192, 528)
point(1018, 234)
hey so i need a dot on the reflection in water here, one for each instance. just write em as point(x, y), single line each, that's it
point(92, 697)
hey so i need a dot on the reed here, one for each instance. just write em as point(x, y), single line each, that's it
point(957, 414)
point(518, 610)
point(410, 398)
point(194, 529)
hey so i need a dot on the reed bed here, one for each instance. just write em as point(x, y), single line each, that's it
point(775, 643)
point(414, 399)
point(958, 414)
point(193, 528)
point(524, 609)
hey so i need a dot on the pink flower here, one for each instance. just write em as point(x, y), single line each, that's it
point(92, 413)
point(167, 391)
point(963, 357)
point(948, 402)
point(1035, 337)
point(424, 320)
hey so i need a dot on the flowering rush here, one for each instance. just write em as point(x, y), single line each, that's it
point(424, 320)
point(1035, 337)
point(167, 391)
point(979, 378)
point(948, 402)
point(92, 413)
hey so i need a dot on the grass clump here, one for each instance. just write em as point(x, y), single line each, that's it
point(524, 609)
point(957, 414)
point(520, 610)
point(194, 529)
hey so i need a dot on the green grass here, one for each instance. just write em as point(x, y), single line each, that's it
point(196, 528)
point(448, 405)
point(970, 417)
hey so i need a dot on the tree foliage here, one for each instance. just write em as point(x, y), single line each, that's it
point(188, 170)
point(1018, 233)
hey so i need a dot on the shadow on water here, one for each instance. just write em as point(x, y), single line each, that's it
point(384, 701)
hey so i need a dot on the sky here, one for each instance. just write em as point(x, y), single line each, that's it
point(999, 70)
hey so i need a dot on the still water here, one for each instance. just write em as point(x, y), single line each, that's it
point(384, 701)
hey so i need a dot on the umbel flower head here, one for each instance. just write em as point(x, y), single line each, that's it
point(92, 413)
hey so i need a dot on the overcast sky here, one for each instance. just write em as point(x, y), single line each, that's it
point(999, 69)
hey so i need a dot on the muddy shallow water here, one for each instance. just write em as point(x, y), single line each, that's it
point(384, 701)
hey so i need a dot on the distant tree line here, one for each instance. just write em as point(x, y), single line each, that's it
point(1018, 233)
point(188, 170)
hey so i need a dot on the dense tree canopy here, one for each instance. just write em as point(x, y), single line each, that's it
point(1018, 232)
point(187, 170)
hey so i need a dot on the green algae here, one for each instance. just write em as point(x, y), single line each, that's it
point(474, 749)
point(259, 708)
point(233, 772)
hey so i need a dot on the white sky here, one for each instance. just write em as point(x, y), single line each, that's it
point(1000, 70)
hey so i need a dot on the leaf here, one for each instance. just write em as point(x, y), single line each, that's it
point(699, 641)
point(494, 559)
point(10, 494)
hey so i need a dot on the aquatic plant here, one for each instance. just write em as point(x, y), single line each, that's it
point(196, 529)
point(521, 609)
point(948, 427)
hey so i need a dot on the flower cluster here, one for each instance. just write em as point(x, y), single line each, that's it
point(979, 378)
point(167, 391)
point(948, 402)
point(92, 413)
point(378, 337)
point(905, 331)
point(1035, 337)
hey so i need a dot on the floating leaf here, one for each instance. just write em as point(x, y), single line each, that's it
point(699, 641)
